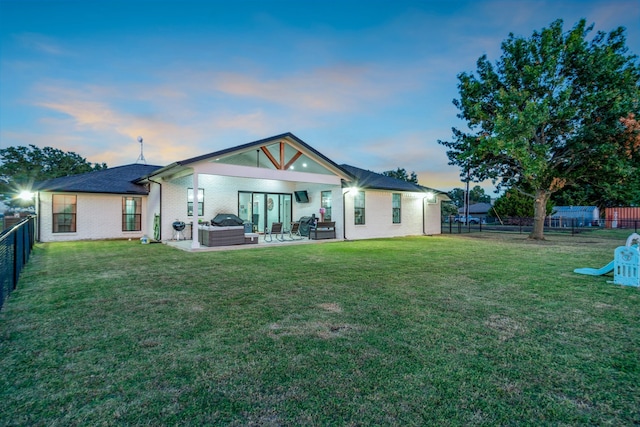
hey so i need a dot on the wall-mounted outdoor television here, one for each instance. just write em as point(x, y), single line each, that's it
point(302, 196)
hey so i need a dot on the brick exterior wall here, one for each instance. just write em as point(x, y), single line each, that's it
point(98, 216)
point(379, 216)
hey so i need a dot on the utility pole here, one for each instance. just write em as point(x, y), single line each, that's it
point(466, 198)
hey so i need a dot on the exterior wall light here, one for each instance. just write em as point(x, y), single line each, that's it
point(430, 197)
point(26, 195)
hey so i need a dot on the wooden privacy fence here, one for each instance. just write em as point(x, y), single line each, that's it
point(16, 243)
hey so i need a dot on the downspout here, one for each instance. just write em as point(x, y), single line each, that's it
point(344, 214)
point(38, 215)
point(160, 213)
point(424, 216)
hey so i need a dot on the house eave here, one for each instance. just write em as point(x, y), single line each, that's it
point(77, 191)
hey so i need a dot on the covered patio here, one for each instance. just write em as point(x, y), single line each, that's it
point(276, 180)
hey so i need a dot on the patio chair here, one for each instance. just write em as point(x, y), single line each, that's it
point(276, 228)
point(294, 231)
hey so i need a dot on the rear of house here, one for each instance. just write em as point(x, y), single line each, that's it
point(277, 179)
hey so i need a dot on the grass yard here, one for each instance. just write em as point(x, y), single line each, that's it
point(486, 329)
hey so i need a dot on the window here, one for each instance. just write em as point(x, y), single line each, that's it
point(131, 213)
point(358, 208)
point(325, 203)
point(396, 203)
point(200, 202)
point(64, 213)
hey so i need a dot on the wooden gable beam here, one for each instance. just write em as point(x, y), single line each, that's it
point(280, 164)
point(272, 159)
point(282, 156)
point(293, 159)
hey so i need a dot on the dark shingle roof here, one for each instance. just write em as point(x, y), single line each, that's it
point(477, 208)
point(367, 179)
point(117, 180)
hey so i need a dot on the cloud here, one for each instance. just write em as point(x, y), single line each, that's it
point(607, 18)
point(88, 120)
point(256, 122)
point(40, 43)
point(336, 89)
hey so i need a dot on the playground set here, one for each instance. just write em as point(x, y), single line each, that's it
point(625, 264)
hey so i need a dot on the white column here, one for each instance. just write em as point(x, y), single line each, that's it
point(195, 244)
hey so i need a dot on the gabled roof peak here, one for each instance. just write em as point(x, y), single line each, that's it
point(284, 152)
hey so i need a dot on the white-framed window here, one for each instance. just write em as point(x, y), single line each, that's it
point(325, 202)
point(200, 201)
point(64, 210)
point(396, 207)
point(131, 213)
point(358, 208)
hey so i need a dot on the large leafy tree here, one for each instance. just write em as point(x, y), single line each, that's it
point(550, 114)
point(625, 192)
point(21, 166)
point(515, 204)
point(604, 194)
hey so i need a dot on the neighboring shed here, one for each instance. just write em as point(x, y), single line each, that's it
point(578, 216)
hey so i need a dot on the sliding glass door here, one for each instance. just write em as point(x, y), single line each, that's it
point(263, 209)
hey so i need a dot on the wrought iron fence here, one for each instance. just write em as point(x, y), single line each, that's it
point(525, 225)
point(16, 243)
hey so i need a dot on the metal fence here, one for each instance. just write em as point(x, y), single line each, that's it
point(525, 225)
point(16, 243)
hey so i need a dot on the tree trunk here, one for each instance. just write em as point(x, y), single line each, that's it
point(539, 215)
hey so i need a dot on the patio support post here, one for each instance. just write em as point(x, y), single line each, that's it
point(195, 244)
point(344, 214)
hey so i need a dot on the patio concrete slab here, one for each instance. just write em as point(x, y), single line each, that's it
point(185, 245)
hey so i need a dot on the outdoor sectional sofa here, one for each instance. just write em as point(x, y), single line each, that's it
point(323, 230)
point(221, 236)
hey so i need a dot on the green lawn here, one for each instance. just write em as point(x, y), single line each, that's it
point(485, 329)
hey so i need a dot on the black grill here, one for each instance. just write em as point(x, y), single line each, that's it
point(178, 225)
point(305, 223)
point(226, 220)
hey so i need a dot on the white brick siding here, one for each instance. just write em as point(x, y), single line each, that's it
point(98, 216)
point(379, 216)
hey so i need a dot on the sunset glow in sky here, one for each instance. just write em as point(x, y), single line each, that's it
point(368, 83)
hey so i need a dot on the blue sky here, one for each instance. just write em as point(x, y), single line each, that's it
point(368, 83)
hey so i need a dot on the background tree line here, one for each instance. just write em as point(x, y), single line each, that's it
point(22, 166)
